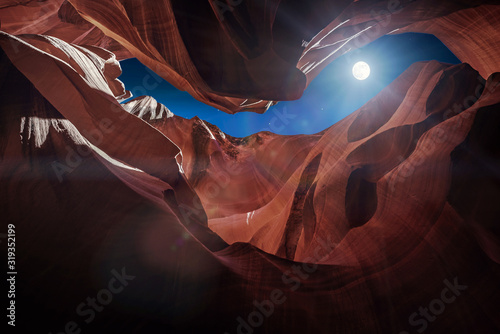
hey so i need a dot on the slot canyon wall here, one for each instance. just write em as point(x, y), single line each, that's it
point(130, 219)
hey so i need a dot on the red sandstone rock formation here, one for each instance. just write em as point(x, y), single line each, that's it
point(231, 175)
point(242, 55)
point(351, 230)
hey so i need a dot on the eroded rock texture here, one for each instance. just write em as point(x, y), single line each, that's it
point(358, 229)
point(242, 55)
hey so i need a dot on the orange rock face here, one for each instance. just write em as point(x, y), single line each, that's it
point(129, 219)
point(272, 48)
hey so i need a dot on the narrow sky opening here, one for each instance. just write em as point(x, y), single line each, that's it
point(331, 96)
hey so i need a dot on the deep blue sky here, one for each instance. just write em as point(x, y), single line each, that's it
point(331, 96)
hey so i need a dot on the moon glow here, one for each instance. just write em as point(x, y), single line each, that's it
point(361, 70)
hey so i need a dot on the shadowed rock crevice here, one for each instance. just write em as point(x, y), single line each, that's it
point(129, 207)
point(387, 149)
point(309, 215)
point(383, 106)
point(201, 138)
point(459, 80)
point(295, 223)
point(360, 199)
point(475, 179)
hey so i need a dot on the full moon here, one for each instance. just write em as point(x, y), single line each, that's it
point(361, 70)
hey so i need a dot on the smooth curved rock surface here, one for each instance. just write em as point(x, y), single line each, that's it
point(57, 18)
point(243, 55)
point(351, 230)
point(231, 175)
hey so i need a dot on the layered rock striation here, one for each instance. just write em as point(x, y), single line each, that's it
point(130, 219)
